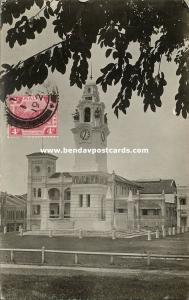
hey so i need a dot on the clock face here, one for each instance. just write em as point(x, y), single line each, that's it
point(103, 136)
point(85, 134)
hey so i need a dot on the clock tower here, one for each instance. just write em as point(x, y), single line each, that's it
point(90, 131)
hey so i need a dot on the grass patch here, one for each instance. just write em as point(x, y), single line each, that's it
point(94, 288)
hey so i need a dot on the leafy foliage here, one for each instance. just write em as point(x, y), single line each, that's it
point(160, 28)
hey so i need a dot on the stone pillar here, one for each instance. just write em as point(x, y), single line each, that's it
point(109, 214)
point(61, 203)
point(169, 231)
point(5, 229)
point(163, 232)
point(148, 258)
point(12, 256)
point(43, 255)
point(113, 200)
point(28, 221)
point(76, 259)
point(178, 215)
point(131, 215)
point(163, 209)
point(111, 260)
point(138, 210)
point(173, 230)
point(19, 228)
point(21, 231)
point(44, 214)
point(113, 234)
point(157, 233)
point(149, 235)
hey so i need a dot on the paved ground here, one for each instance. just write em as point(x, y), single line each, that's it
point(79, 270)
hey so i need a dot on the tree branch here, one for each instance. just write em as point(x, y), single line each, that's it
point(33, 17)
point(36, 54)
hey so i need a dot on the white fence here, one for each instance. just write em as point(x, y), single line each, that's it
point(148, 256)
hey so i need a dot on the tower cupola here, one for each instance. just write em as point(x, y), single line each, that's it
point(90, 129)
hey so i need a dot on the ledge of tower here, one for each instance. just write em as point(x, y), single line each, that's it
point(90, 82)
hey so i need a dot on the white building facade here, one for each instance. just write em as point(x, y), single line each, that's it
point(88, 198)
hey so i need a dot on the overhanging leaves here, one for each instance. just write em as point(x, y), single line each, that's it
point(114, 25)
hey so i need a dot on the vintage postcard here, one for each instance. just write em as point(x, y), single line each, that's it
point(94, 150)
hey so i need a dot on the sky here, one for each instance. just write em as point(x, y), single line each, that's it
point(165, 135)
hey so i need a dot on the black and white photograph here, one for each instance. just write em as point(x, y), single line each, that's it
point(94, 150)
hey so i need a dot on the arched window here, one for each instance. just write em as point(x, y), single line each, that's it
point(39, 193)
point(54, 194)
point(67, 194)
point(34, 192)
point(87, 114)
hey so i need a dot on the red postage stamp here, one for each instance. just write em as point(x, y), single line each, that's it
point(32, 115)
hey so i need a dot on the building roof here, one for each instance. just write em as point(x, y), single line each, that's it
point(23, 196)
point(42, 154)
point(183, 187)
point(15, 200)
point(168, 186)
point(183, 190)
point(58, 175)
point(128, 182)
